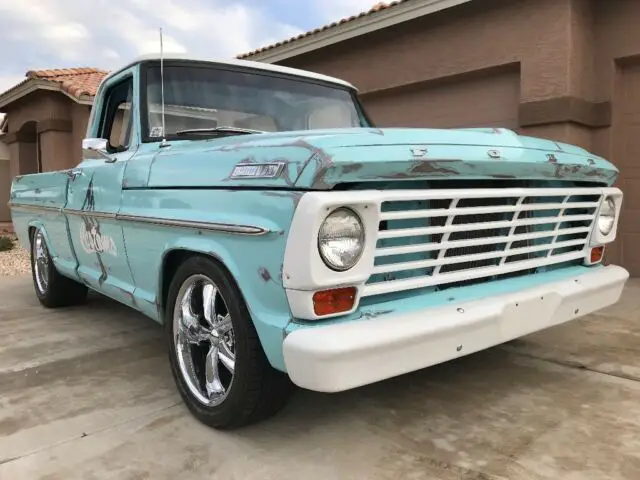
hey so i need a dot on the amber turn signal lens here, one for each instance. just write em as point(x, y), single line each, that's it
point(596, 254)
point(338, 300)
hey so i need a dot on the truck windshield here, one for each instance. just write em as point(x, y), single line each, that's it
point(201, 97)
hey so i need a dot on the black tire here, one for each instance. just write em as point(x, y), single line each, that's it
point(59, 291)
point(258, 391)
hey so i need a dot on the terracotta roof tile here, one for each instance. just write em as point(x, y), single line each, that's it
point(75, 81)
point(373, 10)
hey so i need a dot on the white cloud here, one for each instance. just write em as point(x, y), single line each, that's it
point(8, 81)
point(334, 10)
point(105, 33)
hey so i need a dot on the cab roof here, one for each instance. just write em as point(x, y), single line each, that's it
point(267, 67)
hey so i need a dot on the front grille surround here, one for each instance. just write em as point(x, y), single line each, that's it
point(444, 238)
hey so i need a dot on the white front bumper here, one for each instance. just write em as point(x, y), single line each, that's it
point(342, 356)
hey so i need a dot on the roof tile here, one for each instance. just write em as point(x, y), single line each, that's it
point(75, 81)
point(373, 10)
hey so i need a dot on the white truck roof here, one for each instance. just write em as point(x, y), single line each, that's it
point(267, 67)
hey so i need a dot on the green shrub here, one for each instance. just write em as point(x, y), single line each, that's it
point(6, 244)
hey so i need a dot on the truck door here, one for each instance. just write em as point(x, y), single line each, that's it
point(94, 196)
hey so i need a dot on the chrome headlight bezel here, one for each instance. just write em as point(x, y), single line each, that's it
point(359, 236)
point(606, 219)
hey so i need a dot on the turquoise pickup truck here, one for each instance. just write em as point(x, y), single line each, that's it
point(282, 239)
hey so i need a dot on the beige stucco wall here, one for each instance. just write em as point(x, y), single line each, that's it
point(5, 183)
point(569, 70)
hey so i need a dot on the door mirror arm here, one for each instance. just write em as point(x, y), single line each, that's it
point(96, 148)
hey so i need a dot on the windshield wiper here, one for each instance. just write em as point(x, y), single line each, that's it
point(223, 129)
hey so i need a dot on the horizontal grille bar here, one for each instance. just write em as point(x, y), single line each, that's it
point(420, 282)
point(428, 247)
point(467, 227)
point(396, 267)
point(477, 193)
point(444, 212)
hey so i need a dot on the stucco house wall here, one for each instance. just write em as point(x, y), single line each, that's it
point(567, 70)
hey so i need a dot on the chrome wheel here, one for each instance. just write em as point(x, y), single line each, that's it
point(41, 262)
point(204, 340)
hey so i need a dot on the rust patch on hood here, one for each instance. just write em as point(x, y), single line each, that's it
point(430, 166)
point(352, 167)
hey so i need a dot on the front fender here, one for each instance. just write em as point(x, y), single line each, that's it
point(254, 261)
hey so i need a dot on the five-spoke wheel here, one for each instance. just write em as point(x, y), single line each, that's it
point(204, 339)
point(216, 357)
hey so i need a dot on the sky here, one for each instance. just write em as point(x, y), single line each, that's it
point(37, 34)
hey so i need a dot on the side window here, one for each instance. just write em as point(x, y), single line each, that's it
point(116, 121)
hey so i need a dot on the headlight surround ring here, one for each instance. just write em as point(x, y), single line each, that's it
point(607, 216)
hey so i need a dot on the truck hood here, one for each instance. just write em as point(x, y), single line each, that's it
point(321, 159)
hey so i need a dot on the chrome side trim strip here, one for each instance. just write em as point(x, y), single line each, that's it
point(88, 213)
point(34, 208)
point(212, 227)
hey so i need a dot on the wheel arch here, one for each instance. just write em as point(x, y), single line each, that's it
point(171, 261)
point(35, 225)
point(258, 295)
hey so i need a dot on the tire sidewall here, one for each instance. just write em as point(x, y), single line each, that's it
point(243, 330)
point(42, 296)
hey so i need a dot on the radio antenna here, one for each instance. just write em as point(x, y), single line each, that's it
point(164, 137)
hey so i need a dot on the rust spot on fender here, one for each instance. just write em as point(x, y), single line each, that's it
point(264, 274)
point(591, 161)
point(551, 158)
point(294, 196)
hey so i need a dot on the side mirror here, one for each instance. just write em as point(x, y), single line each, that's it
point(96, 148)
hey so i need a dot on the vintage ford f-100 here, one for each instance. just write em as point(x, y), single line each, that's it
point(282, 239)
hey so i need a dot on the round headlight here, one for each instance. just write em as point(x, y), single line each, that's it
point(607, 216)
point(341, 239)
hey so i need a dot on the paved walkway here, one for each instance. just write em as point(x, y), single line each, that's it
point(87, 393)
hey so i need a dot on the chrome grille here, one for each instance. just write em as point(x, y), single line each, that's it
point(456, 237)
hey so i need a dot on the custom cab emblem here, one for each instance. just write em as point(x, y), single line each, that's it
point(257, 170)
point(94, 242)
point(419, 151)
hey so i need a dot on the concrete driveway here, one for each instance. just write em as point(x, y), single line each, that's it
point(87, 393)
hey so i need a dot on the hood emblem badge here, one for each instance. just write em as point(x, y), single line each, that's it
point(419, 151)
point(257, 170)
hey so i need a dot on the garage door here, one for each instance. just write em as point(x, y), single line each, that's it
point(490, 101)
point(626, 155)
